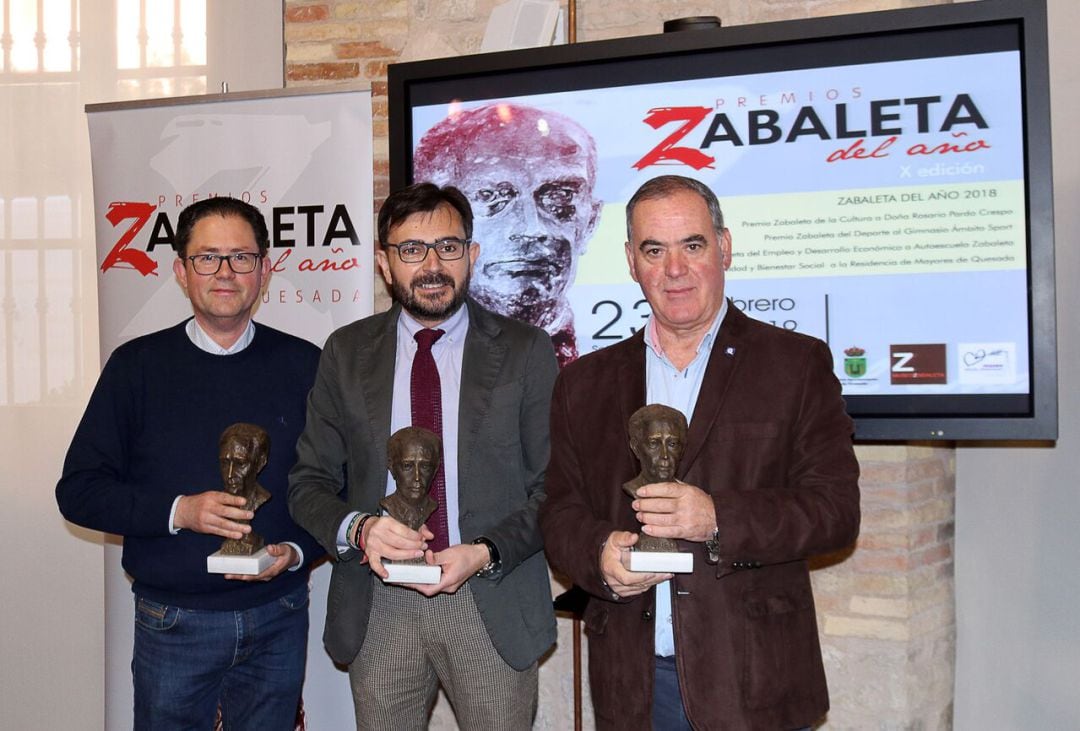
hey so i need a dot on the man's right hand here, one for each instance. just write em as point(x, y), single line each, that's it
point(214, 512)
point(385, 537)
point(613, 558)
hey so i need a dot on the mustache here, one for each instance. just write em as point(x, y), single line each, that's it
point(439, 278)
point(521, 267)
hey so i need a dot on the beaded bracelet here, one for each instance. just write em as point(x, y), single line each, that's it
point(349, 531)
point(360, 531)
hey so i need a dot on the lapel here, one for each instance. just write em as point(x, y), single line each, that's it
point(728, 351)
point(629, 386)
point(481, 364)
point(375, 361)
point(630, 380)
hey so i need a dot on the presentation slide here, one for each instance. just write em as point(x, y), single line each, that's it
point(879, 207)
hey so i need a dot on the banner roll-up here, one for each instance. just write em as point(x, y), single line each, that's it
point(305, 160)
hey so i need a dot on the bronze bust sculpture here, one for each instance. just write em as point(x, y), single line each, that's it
point(412, 456)
point(242, 453)
point(657, 439)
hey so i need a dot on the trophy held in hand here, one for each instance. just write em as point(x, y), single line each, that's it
point(413, 456)
point(242, 453)
point(657, 438)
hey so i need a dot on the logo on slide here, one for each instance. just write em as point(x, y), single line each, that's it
point(986, 364)
point(917, 365)
point(855, 362)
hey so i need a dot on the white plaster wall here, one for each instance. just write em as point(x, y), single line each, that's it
point(52, 641)
point(52, 637)
point(1018, 509)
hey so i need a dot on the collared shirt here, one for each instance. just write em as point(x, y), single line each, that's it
point(665, 384)
point(204, 342)
point(448, 352)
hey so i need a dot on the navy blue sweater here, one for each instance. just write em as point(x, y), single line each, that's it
point(150, 433)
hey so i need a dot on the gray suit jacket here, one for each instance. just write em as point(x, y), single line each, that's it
point(508, 370)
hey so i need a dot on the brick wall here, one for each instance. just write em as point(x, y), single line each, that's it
point(886, 610)
point(335, 41)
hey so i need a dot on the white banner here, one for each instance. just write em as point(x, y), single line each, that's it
point(305, 160)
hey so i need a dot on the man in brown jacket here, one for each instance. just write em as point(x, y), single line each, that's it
point(768, 479)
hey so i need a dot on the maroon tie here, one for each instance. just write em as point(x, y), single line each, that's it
point(426, 396)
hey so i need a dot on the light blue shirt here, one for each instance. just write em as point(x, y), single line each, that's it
point(665, 384)
point(448, 352)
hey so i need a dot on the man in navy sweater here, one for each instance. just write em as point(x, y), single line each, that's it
point(143, 464)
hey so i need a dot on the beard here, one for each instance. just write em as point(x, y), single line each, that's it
point(423, 309)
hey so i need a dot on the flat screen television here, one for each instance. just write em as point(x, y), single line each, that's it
point(886, 178)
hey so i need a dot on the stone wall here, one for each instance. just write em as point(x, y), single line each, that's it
point(886, 610)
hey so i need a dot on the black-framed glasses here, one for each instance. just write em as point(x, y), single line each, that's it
point(242, 262)
point(413, 252)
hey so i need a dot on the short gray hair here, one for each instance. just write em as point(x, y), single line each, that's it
point(667, 185)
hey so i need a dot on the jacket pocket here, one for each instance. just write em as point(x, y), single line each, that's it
point(782, 655)
point(596, 617)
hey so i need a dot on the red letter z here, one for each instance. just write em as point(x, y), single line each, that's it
point(657, 118)
point(120, 255)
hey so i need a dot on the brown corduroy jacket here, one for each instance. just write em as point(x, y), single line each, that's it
point(770, 442)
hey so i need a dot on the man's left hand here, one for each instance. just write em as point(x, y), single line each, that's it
point(285, 557)
point(675, 510)
point(459, 564)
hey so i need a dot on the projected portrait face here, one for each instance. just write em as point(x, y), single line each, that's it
point(529, 176)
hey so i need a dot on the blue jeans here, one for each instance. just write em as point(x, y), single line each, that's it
point(187, 661)
point(668, 713)
point(667, 710)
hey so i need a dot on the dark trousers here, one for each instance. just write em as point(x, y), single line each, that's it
point(188, 661)
point(667, 712)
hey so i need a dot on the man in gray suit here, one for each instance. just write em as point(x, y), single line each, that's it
point(480, 631)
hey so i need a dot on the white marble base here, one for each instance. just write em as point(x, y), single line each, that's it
point(402, 572)
point(230, 563)
point(661, 562)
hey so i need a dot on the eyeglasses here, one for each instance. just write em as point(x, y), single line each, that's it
point(243, 262)
point(413, 252)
